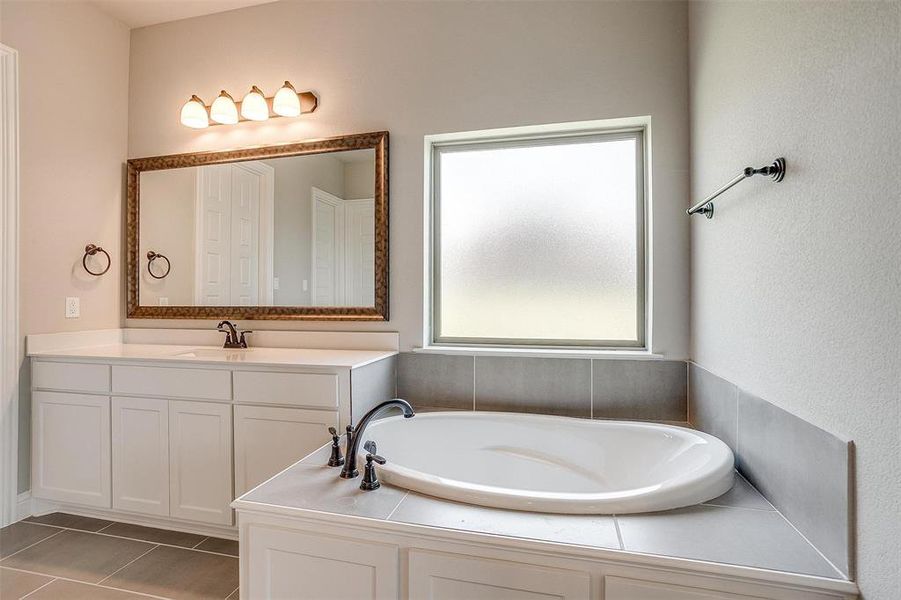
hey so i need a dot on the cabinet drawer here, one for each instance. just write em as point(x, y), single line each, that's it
point(315, 390)
point(180, 383)
point(77, 377)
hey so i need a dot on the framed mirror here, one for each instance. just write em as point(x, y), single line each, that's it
point(295, 231)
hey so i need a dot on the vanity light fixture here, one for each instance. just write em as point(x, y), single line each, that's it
point(255, 106)
point(286, 103)
point(224, 110)
point(194, 115)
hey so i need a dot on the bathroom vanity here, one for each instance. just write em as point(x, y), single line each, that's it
point(169, 434)
point(307, 534)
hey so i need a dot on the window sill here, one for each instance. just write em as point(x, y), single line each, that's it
point(618, 354)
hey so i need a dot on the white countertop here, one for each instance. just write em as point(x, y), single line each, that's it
point(738, 530)
point(217, 355)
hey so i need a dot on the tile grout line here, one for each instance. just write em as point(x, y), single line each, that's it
point(394, 510)
point(128, 563)
point(591, 388)
point(69, 579)
point(619, 534)
point(39, 588)
point(30, 546)
point(122, 537)
point(473, 383)
point(811, 544)
point(106, 527)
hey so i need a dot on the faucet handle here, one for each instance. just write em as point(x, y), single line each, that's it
point(335, 460)
point(372, 451)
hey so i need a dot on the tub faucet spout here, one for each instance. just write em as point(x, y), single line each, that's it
point(355, 434)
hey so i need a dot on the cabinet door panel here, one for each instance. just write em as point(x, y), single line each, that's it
point(290, 564)
point(619, 588)
point(71, 441)
point(200, 461)
point(141, 455)
point(268, 440)
point(443, 576)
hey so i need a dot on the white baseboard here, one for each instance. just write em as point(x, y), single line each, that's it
point(42, 507)
point(23, 506)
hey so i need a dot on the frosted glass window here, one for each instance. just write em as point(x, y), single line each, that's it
point(539, 242)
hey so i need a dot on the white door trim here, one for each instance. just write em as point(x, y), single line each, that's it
point(319, 195)
point(267, 228)
point(266, 233)
point(10, 344)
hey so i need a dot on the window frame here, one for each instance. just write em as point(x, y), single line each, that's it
point(436, 145)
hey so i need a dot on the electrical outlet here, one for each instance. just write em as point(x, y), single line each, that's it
point(73, 308)
point(275, 283)
point(164, 301)
point(305, 286)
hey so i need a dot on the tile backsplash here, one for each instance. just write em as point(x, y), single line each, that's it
point(803, 470)
point(576, 387)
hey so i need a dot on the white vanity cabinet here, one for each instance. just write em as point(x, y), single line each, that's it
point(200, 461)
point(269, 439)
point(71, 448)
point(140, 455)
point(177, 441)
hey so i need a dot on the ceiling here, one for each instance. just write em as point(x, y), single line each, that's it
point(140, 13)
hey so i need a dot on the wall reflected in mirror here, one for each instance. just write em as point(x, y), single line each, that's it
point(291, 231)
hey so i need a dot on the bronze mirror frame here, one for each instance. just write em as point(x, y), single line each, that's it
point(375, 140)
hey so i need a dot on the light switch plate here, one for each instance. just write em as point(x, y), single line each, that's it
point(73, 308)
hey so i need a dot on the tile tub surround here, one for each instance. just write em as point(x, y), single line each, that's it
point(575, 387)
point(738, 528)
point(69, 557)
point(803, 470)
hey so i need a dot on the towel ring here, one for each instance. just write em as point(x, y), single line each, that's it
point(91, 250)
point(152, 256)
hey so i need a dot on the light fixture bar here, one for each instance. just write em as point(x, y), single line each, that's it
point(308, 103)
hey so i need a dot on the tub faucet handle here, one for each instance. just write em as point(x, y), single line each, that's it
point(370, 478)
point(335, 460)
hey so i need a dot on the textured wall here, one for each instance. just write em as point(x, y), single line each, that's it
point(796, 285)
point(73, 100)
point(433, 67)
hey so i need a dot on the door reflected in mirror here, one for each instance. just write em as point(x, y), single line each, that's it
point(293, 231)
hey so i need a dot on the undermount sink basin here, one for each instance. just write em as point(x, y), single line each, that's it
point(552, 464)
point(221, 353)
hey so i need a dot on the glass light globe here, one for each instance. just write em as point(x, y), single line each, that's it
point(286, 103)
point(223, 109)
point(253, 106)
point(193, 114)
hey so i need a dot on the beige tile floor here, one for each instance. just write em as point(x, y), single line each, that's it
point(66, 557)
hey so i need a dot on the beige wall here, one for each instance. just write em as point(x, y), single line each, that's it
point(796, 285)
point(73, 100)
point(167, 227)
point(431, 67)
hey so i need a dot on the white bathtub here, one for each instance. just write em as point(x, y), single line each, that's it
point(551, 464)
